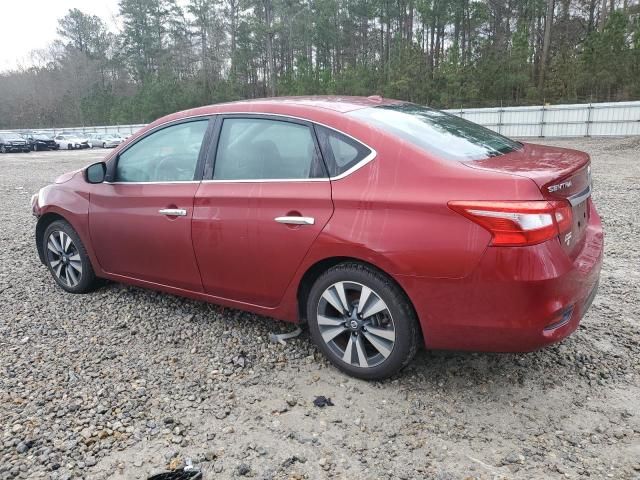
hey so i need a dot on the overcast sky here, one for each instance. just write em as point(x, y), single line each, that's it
point(31, 24)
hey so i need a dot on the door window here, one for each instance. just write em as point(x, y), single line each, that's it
point(168, 155)
point(260, 149)
point(340, 152)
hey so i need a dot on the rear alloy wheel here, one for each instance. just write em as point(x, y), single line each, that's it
point(362, 321)
point(67, 258)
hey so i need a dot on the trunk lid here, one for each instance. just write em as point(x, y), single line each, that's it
point(559, 173)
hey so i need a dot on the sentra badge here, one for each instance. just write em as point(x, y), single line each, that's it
point(559, 186)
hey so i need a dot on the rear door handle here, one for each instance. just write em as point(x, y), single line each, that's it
point(295, 220)
point(173, 212)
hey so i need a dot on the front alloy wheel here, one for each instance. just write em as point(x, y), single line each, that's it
point(362, 321)
point(64, 258)
point(67, 259)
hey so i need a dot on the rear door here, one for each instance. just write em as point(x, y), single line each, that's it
point(267, 199)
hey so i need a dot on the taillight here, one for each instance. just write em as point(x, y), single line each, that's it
point(518, 223)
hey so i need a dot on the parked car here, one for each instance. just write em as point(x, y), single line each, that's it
point(84, 140)
point(71, 141)
point(121, 136)
point(40, 141)
point(27, 140)
point(12, 142)
point(381, 224)
point(104, 140)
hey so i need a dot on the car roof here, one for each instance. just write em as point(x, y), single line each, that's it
point(341, 104)
point(285, 105)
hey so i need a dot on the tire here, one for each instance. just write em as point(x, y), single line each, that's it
point(383, 340)
point(104, 145)
point(3, 149)
point(67, 259)
point(69, 147)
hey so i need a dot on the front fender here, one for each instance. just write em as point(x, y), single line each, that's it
point(58, 201)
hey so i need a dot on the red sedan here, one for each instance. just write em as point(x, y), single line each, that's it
point(379, 223)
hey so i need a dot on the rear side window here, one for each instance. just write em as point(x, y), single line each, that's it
point(261, 149)
point(436, 132)
point(340, 152)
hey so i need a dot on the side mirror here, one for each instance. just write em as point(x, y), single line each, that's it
point(96, 173)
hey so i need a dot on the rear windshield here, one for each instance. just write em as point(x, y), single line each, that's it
point(436, 132)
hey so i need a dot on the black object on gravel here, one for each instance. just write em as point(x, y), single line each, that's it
point(178, 475)
point(322, 401)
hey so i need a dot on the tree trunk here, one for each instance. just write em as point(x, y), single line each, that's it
point(432, 39)
point(463, 35)
point(545, 45)
point(388, 41)
point(592, 16)
point(603, 15)
point(271, 62)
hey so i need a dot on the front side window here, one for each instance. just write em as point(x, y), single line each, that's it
point(168, 155)
point(436, 132)
point(260, 149)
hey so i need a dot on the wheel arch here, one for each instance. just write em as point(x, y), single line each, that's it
point(43, 222)
point(314, 271)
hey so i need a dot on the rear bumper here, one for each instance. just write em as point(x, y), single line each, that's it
point(518, 299)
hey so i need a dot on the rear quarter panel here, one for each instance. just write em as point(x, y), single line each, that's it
point(393, 213)
point(395, 208)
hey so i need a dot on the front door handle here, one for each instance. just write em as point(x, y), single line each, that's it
point(295, 220)
point(173, 212)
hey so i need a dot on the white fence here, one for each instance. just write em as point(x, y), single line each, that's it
point(579, 120)
point(123, 129)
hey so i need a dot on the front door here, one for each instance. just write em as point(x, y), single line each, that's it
point(269, 199)
point(140, 223)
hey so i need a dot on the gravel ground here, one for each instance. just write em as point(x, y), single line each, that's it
point(124, 382)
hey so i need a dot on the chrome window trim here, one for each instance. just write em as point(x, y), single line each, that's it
point(153, 183)
point(135, 138)
point(357, 166)
point(348, 172)
point(269, 180)
point(257, 180)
